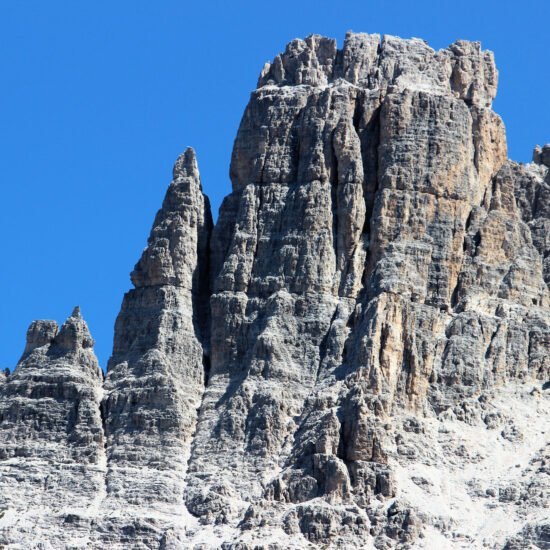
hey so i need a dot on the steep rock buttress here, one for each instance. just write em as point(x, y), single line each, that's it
point(372, 274)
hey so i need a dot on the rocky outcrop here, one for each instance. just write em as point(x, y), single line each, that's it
point(356, 355)
point(370, 268)
point(532, 193)
point(52, 460)
point(156, 376)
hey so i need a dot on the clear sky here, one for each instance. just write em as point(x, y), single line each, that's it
point(98, 99)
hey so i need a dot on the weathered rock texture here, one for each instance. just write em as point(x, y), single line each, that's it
point(372, 369)
point(156, 375)
point(52, 459)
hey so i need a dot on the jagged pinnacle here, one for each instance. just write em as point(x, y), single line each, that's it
point(40, 333)
point(180, 226)
point(74, 333)
point(76, 313)
point(541, 155)
point(186, 165)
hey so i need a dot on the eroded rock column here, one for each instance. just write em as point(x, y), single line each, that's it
point(157, 372)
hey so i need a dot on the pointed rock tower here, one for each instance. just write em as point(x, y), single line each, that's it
point(156, 375)
point(51, 436)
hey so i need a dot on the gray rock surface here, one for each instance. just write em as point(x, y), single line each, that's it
point(156, 375)
point(52, 459)
point(357, 354)
point(371, 266)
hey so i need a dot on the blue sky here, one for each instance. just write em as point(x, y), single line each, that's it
point(98, 99)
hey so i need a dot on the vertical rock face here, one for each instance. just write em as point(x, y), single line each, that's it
point(52, 462)
point(377, 267)
point(156, 375)
point(356, 356)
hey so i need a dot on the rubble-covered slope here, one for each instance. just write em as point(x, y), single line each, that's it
point(357, 354)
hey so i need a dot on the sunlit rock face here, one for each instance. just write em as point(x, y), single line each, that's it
point(377, 284)
point(357, 354)
point(52, 459)
point(156, 376)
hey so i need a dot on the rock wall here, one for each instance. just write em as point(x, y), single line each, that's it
point(356, 355)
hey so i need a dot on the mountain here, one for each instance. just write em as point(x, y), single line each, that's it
point(356, 355)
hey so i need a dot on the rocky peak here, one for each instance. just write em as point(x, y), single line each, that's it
point(186, 167)
point(40, 333)
point(474, 75)
point(356, 356)
point(157, 372)
point(371, 245)
point(172, 251)
point(380, 63)
point(74, 333)
point(51, 435)
point(541, 155)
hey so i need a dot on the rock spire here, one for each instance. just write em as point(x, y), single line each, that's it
point(156, 375)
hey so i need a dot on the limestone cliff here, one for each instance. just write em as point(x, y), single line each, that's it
point(355, 356)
